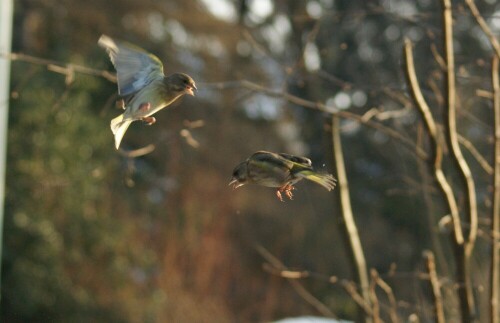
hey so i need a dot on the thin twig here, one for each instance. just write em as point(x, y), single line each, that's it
point(297, 286)
point(374, 298)
point(484, 26)
point(351, 230)
point(390, 295)
point(464, 266)
point(439, 59)
point(333, 110)
point(476, 154)
point(58, 67)
point(350, 288)
point(436, 145)
point(436, 287)
point(495, 226)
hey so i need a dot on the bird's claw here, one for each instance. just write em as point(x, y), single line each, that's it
point(149, 120)
point(287, 189)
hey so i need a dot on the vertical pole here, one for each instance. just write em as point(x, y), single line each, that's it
point(6, 14)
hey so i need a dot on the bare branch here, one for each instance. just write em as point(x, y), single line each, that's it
point(495, 227)
point(476, 154)
point(436, 287)
point(374, 299)
point(390, 295)
point(484, 26)
point(464, 274)
point(66, 69)
point(436, 146)
point(333, 110)
point(350, 288)
point(356, 248)
point(439, 59)
point(297, 286)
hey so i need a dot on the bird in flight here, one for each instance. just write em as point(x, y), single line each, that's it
point(142, 85)
point(278, 170)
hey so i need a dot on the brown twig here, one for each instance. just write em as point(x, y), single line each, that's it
point(374, 298)
point(436, 287)
point(476, 154)
point(333, 110)
point(495, 226)
point(358, 257)
point(392, 300)
point(464, 266)
point(297, 286)
point(67, 69)
point(351, 289)
point(436, 145)
point(484, 26)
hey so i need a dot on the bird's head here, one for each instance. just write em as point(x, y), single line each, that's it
point(239, 177)
point(182, 83)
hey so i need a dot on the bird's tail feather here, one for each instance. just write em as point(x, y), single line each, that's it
point(119, 126)
point(325, 180)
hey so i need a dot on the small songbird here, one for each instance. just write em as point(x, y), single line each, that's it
point(278, 170)
point(142, 85)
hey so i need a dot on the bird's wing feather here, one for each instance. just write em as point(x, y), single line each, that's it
point(297, 160)
point(135, 68)
point(263, 164)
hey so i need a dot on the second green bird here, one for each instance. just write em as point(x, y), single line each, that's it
point(278, 170)
point(142, 85)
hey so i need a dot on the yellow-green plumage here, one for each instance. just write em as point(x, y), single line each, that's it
point(142, 84)
point(278, 170)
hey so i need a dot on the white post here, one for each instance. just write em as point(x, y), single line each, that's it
point(6, 14)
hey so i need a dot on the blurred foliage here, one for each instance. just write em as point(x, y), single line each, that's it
point(93, 235)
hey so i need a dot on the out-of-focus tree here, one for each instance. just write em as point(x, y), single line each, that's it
point(93, 234)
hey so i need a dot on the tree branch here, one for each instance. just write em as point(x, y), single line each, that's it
point(351, 230)
point(297, 286)
point(484, 26)
point(495, 226)
point(436, 145)
point(436, 287)
point(464, 272)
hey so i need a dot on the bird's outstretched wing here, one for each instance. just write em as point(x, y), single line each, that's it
point(135, 68)
point(302, 161)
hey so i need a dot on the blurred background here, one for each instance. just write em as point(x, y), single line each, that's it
point(92, 234)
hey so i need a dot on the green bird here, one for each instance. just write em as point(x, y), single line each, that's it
point(142, 85)
point(278, 170)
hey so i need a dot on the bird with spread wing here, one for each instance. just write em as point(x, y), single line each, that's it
point(142, 85)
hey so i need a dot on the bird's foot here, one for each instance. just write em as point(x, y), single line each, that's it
point(145, 107)
point(287, 189)
point(149, 120)
point(121, 104)
point(278, 194)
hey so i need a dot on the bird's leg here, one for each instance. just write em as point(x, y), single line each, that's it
point(144, 107)
point(278, 194)
point(149, 120)
point(120, 104)
point(287, 189)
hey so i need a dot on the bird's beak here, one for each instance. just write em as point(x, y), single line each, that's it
point(234, 182)
point(190, 88)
